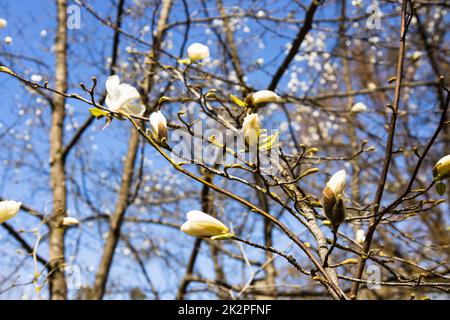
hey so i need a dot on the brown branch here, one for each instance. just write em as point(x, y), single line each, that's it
point(29, 249)
point(388, 153)
point(307, 25)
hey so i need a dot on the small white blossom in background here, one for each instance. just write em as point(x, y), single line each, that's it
point(200, 224)
point(121, 97)
point(360, 236)
point(359, 107)
point(8, 209)
point(197, 51)
point(371, 86)
point(416, 56)
point(36, 78)
point(3, 23)
point(69, 221)
point(357, 3)
point(8, 40)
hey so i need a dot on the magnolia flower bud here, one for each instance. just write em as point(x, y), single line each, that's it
point(3, 23)
point(251, 129)
point(360, 236)
point(263, 96)
point(332, 199)
point(197, 51)
point(69, 221)
point(359, 107)
point(121, 97)
point(442, 168)
point(159, 125)
point(200, 224)
point(8, 40)
point(8, 209)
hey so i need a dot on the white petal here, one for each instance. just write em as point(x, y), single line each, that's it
point(112, 84)
point(112, 88)
point(135, 109)
point(111, 103)
point(127, 95)
point(128, 91)
point(337, 182)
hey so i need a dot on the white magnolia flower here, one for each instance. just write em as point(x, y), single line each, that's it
point(70, 221)
point(442, 168)
point(197, 51)
point(264, 96)
point(3, 23)
point(121, 97)
point(8, 209)
point(332, 199)
point(159, 125)
point(200, 224)
point(251, 129)
point(359, 107)
point(8, 40)
point(360, 236)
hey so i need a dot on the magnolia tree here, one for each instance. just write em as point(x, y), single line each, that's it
point(221, 149)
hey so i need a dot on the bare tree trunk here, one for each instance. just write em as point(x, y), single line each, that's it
point(117, 219)
point(189, 270)
point(270, 280)
point(57, 282)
